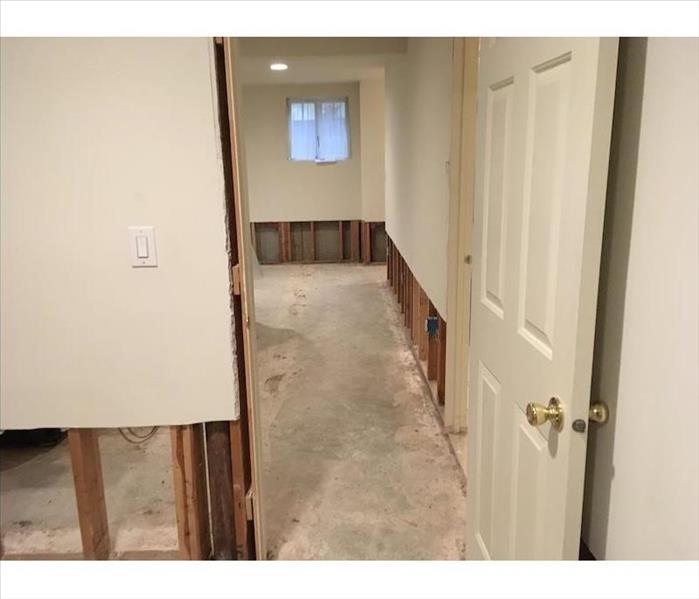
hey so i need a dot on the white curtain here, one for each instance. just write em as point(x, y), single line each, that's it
point(332, 131)
point(318, 130)
point(302, 131)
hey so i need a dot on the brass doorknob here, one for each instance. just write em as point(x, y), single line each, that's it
point(599, 412)
point(553, 413)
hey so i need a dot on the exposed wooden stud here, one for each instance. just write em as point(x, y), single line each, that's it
point(415, 312)
point(354, 246)
point(388, 261)
point(89, 492)
point(278, 225)
point(396, 270)
point(240, 452)
point(406, 294)
point(191, 497)
point(341, 239)
point(220, 470)
point(401, 290)
point(223, 524)
point(366, 243)
point(432, 349)
point(313, 241)
point(442, 361)
point(398, 275)
point(285, 242)
point(423, 312)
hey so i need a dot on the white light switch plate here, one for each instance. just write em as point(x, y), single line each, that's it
point(142, 246)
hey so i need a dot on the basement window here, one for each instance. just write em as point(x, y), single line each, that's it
point(318, 130)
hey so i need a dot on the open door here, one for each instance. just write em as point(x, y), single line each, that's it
point(243, 278)
point(544, 126)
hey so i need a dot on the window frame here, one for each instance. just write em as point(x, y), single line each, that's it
point(316, 101)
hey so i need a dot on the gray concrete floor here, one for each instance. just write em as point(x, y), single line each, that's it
point(37, 497)
point(356, 465)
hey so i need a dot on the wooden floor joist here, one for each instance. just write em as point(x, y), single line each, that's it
point(89, 492)
point(191, 496)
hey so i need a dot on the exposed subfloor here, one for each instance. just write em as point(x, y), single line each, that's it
point(356, 465)
point(37, 497)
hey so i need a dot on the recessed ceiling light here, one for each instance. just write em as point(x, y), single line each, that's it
point(278, 66)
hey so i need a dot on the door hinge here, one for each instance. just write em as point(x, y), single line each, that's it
point(249, 510)
point(236, 279)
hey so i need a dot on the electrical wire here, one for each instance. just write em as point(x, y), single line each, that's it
point(135, 438)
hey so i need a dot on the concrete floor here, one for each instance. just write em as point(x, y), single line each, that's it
point(356, 465)
point(37, 497)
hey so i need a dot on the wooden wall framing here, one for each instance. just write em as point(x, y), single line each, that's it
point(301, 242)
point(202, 533)
point(416, 307)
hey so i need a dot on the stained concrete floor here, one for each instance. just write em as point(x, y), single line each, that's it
point(356, 465)
point(37, 497)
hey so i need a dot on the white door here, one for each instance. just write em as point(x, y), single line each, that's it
point(544, 126)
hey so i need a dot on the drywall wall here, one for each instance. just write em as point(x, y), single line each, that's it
point(642, 487)
point(97, 135)
point(418, 133)
point(373, 125)
point(284, 190)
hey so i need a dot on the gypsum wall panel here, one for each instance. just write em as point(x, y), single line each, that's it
point(65, 328)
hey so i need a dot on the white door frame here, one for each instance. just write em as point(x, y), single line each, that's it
point(245, 251)
point(461, 196)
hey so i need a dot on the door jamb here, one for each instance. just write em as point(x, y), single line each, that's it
point(244, 279)
point(461, 198)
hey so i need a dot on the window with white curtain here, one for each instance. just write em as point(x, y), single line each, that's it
point(318, 130)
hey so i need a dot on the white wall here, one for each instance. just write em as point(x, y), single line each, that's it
point(642, 492)
point(97, 135)
point(282, 190)
point(373, 125)
point(418, 130)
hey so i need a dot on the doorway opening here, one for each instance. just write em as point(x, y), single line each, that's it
point(345, 165)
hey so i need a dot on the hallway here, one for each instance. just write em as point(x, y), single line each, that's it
point(355, 463)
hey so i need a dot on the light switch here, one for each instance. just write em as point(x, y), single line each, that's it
point(142, 246)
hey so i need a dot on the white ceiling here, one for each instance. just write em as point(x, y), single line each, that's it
point(316, 60)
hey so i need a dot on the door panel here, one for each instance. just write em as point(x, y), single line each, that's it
point(498, 112)
point(546, 130)
point(543, 145)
